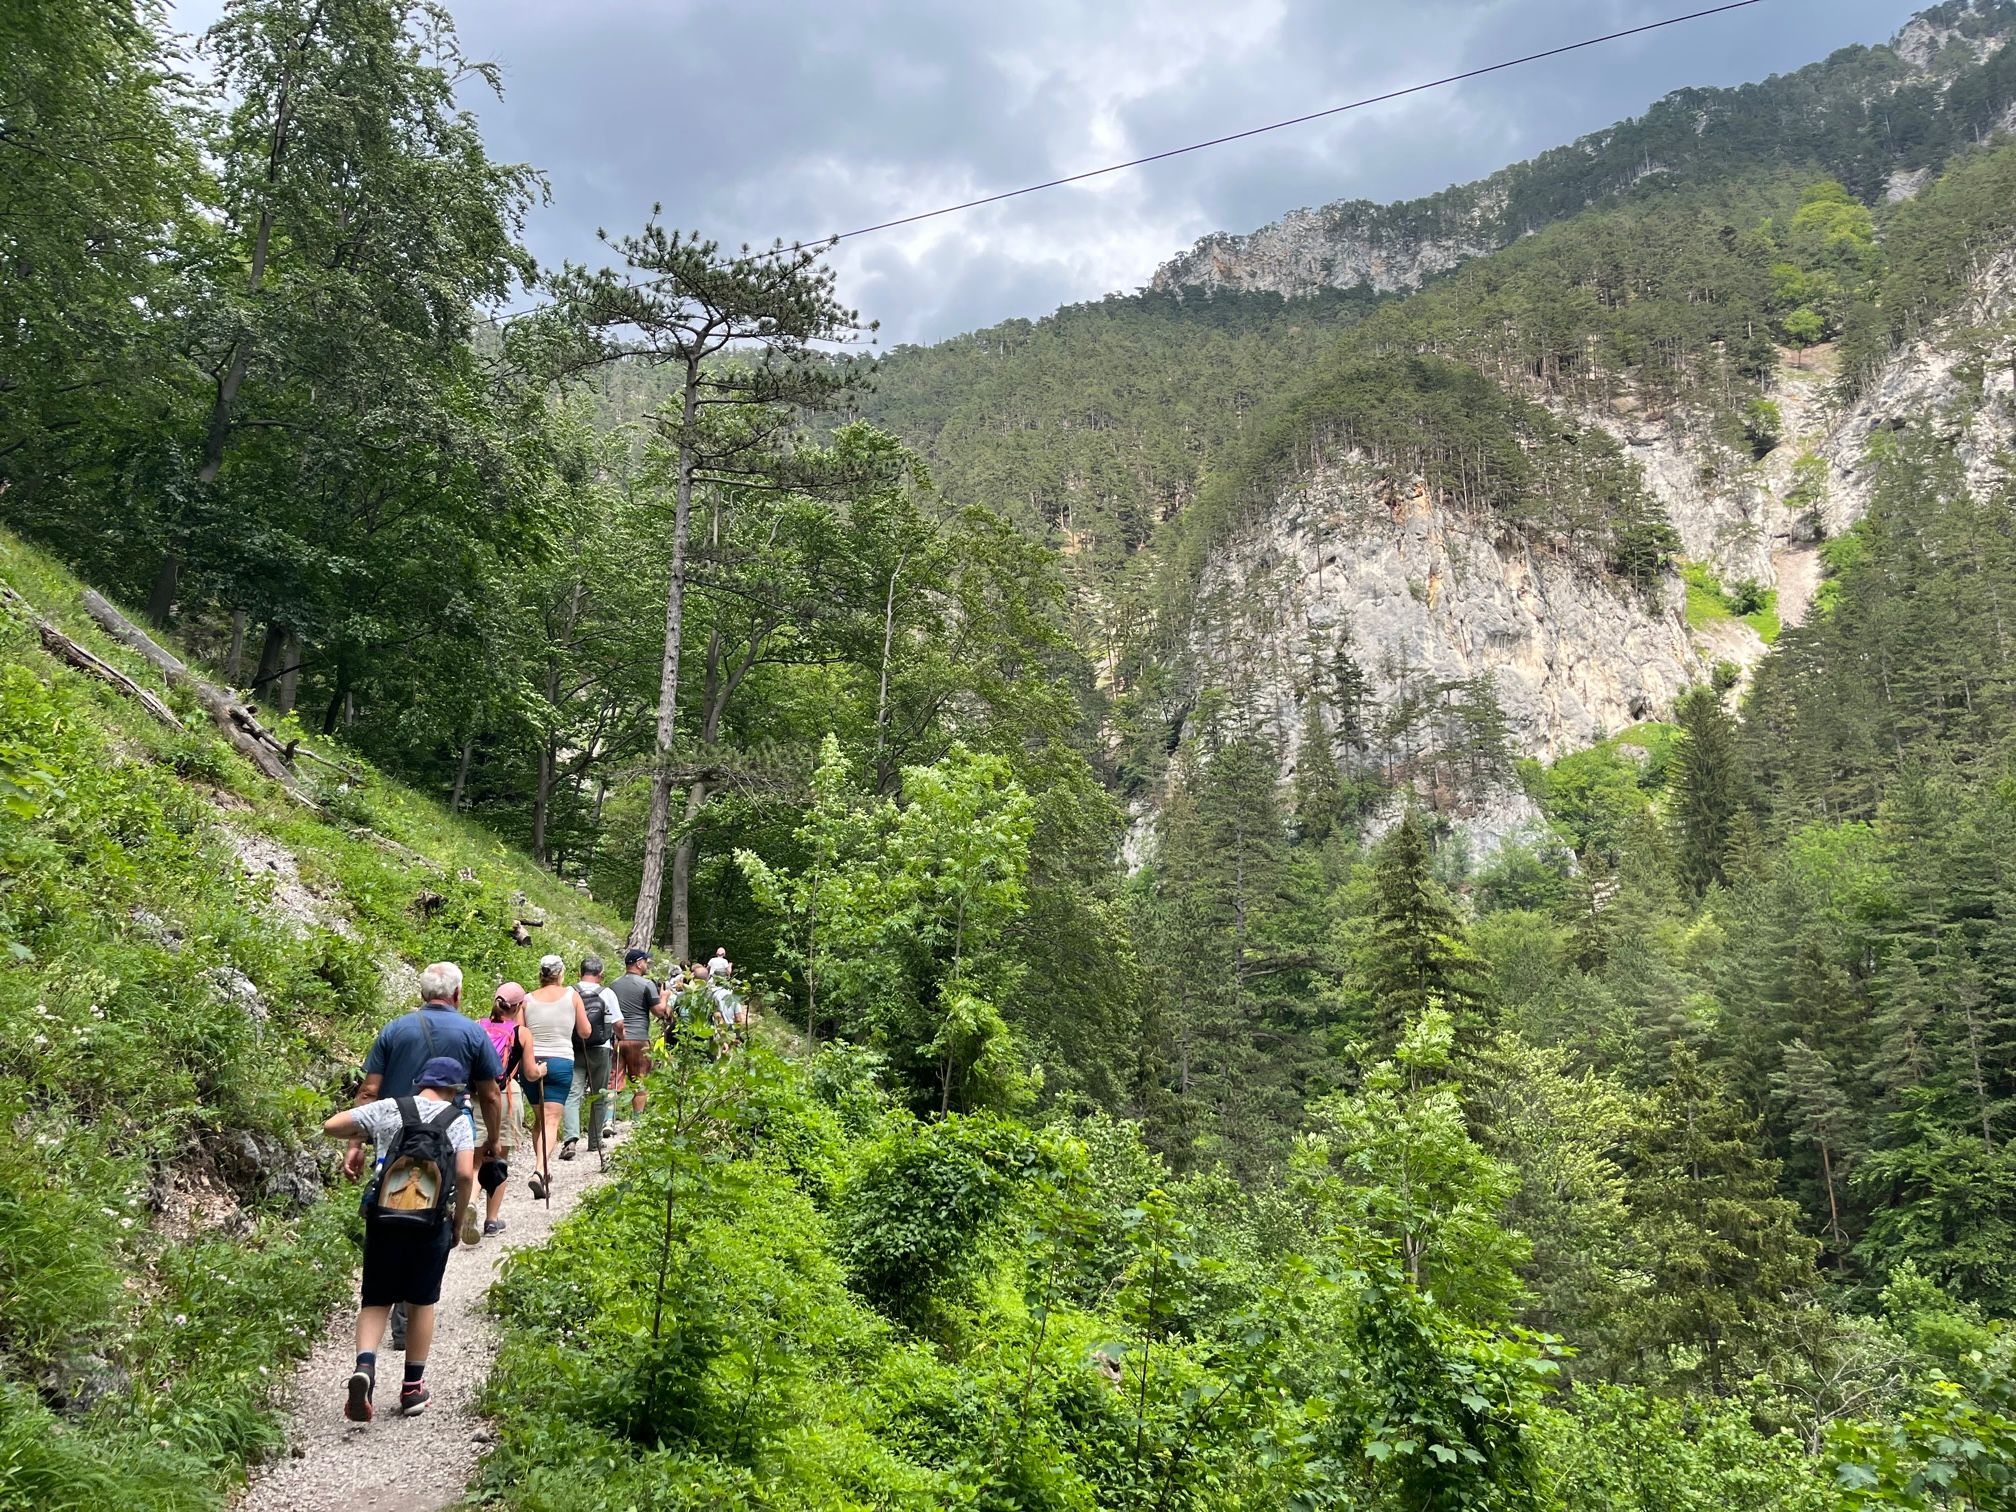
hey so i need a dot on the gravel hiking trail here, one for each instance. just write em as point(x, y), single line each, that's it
point(424, 1463)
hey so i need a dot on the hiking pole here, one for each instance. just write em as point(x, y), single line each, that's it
point(539, 1144)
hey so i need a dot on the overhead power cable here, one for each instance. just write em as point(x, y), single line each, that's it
point(1253, 131)
point(1220, 141)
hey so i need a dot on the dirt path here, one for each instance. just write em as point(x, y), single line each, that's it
point(1798, 581)
point(396, 1464)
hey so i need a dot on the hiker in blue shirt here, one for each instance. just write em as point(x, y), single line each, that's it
point(437, 1027)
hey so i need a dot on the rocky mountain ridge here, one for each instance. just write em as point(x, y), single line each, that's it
point(1948, 55)
point(1422, 594)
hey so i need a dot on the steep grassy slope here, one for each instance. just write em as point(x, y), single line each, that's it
point(190, 964)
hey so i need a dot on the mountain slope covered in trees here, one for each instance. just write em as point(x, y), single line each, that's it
point(1878, 119)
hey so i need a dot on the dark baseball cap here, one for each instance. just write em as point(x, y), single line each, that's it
point(635, 954)
point(444, 1073)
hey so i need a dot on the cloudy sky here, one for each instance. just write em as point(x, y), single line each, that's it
point(754, 119)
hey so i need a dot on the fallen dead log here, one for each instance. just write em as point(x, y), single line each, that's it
point(58, 644)
point(349, 774)
point(237, 725)
point(247, 717)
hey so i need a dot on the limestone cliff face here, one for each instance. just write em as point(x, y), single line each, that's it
point(1341, 246)
point(1418, 590)
point(1750, 520)
point(1420, 593)
point(1961, 378)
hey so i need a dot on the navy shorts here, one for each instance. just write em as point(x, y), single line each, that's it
point(405, 1264)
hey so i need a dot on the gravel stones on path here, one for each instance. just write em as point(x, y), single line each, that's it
point(424, 1463)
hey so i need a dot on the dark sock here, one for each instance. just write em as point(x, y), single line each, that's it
point(414, 1372)
point(367, 1359)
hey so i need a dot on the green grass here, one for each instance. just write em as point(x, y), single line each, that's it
point(1654, 735)
point(1764, 619)
point(147, 1245)
point(1708, 602)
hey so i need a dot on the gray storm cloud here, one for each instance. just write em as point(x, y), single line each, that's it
point(764, 120)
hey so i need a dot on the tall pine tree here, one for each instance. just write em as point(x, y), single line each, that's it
point(1415, 953)
point(1721, 1248)
point(1707, 787)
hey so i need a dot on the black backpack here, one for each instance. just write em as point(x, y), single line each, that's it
point(415, 1186)
point(602, 1009)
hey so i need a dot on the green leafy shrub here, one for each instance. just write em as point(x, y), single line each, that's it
point(1763, 425)
point(915, 1221)
point(1627, 1450)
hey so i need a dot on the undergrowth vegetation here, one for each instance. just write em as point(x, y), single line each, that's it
point(796, 1294)
point(192, 964)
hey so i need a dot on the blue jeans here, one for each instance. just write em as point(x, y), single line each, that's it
point(591, 1073)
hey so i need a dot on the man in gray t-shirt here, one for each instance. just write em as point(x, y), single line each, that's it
point(638, 996)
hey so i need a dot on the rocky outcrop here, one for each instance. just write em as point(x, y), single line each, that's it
point(1350, 244)
point(1933, 45)
point(1420, 592)
point(1960, 380)
point(1416, 590)
point(1719, 504)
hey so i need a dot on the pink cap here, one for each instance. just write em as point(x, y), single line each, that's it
point(511, 995)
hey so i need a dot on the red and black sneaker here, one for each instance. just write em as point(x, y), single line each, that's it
point(357, 1404)
point(413, 1396)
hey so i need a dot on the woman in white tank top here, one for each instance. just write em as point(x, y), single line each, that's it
point(554, 1014)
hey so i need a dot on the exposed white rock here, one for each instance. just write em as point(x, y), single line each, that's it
point(1339, 246)
point(1943, 376)
point(1922, 40)
point(1398, 247)
point(1904, 183)
point(275, 876)
point(1722, 512)
point(1417, 589)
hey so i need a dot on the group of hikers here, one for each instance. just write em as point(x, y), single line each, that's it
point(531, 1067)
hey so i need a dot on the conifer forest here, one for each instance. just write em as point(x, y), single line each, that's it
point(1390, 895)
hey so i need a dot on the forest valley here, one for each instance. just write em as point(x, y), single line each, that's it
point(1655, 1152)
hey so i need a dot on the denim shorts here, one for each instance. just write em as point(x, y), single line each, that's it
point(558, 1082)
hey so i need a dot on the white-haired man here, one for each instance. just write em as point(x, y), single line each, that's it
point(392, 1069)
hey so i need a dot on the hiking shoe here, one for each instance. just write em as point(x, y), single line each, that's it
point(493, 1228)
point(472, 1226)
point(567, 1149)
point(357, 1401)
point(538, 1189)
point(414, 1398)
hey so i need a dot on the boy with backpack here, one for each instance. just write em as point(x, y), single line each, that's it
point(414, 1206)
